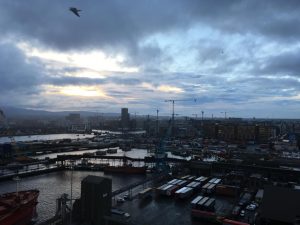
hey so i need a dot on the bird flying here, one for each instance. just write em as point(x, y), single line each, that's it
point(75, 11)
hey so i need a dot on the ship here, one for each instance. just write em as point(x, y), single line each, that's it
point(18, 207)
point(127, 168)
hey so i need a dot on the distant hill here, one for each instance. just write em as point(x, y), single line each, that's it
point(15, 112)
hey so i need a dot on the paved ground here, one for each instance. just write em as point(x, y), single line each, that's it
point(165, 210)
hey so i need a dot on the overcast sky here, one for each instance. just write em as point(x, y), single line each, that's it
point(242, 57)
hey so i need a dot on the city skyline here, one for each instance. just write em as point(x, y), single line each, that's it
point(239, 57)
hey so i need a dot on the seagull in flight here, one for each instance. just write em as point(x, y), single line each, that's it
point(75, 11)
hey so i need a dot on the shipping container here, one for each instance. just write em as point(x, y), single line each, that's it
point(199, 178)
point(177, 182)
point(182, 183)
point(184, 192)
point(217, 181)
point(172, 181)
point(202, 202)
point(206, 185)
point(211, 188)
point(210, 204)
point(185, 177)
point(233, 222)
point(227, 190)
point(212, 180)
point(162, 189)
point(170, 191)
point(195, 201)
point(190, 178)
point(145, 193)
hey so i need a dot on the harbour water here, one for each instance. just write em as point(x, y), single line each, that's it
point(49, 137)
point(46, 137)
point(53, 185)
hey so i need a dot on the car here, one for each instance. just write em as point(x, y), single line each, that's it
point(126, 215)
point(126, 197)
point(119, 212)
point(236, 210)
point(120, 200)
point(251, 207)
point(242, 214)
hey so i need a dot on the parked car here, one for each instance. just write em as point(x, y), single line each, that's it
point(251, 207)
point(126, 197)
point(242, 214)
point(120, 200)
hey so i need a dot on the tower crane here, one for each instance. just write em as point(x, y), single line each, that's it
point(173, 105)
point(225, 114)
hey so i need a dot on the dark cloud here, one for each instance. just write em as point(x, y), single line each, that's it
point(286, 63)
point(234, 67)
point(18, 73)
point(115, 23)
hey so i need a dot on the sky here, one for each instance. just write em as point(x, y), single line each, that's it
point(237, 56)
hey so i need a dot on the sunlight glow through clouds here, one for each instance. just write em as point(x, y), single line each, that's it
point(93, 60)
point(163, 88)
point(82, 91)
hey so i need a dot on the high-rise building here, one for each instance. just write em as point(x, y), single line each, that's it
point(125, 118)
point(95, 199)
point(2, 119)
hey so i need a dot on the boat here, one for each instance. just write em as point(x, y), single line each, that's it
point(99, 153)
point(129, 169)
point(18, 207)
point(112, 150)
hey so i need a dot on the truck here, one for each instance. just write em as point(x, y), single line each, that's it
point(245, 198)
point(259, 195)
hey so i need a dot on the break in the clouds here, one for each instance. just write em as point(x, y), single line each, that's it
point(237, 56)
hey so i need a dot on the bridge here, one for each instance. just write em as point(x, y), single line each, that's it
point(128, 188)
point(147, 159)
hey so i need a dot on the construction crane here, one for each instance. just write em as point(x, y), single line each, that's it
point(157, 111)
point(173, 106)
point(225, 114)
point(160, 153)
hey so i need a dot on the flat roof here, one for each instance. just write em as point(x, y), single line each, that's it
point(286, 207)
point(197, 199)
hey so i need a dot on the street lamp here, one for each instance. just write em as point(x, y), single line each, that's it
point(71, 200)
